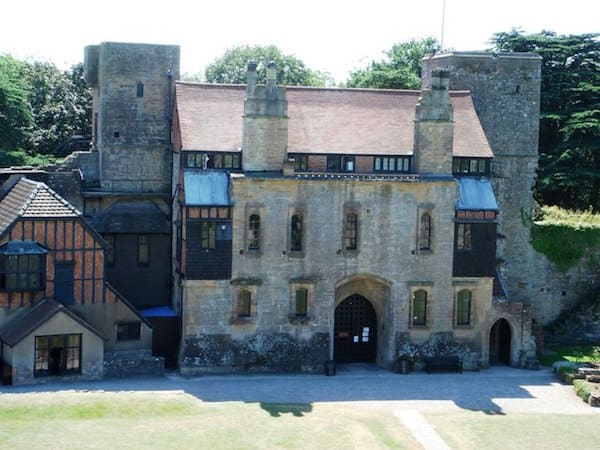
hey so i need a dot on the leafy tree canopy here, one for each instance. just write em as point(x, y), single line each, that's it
point(16, 117)
point(291, 71)
point(401, 69)
point(569, 168)
point(40, 109)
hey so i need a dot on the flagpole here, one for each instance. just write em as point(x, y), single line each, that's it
point(443, 22)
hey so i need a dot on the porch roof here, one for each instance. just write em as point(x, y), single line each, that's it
point(206, 188)
point(24, 324)
point(476, 194)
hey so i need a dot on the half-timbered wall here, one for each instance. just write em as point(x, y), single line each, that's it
point(69, 241)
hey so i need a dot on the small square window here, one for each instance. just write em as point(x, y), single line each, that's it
point(129, 331)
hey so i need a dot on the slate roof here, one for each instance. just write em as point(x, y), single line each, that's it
point(31, 199)
point(323, 120)
point(24, 324)
point(134, 217)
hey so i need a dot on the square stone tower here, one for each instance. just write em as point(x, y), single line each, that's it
point(132, 87)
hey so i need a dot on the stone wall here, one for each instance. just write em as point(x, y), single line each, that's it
point(133, 94)
point(385, 269)
point(132, 363)
point(506, 94)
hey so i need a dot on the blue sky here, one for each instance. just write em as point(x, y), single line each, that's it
point(331, 35)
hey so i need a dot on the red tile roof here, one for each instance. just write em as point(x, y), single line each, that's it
point(322, 120)
point(33, 199)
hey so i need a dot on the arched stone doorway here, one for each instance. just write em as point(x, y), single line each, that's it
point(500, 343)
point(355, 330)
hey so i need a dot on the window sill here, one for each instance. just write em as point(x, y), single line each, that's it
point(241, 320)
point(299, 320)
point(295, 254)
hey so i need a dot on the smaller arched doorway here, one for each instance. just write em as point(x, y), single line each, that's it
point(500, 340)
point(355, 331)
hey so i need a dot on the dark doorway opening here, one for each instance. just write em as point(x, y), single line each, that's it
point(64, 282)
point(55, 366)
point(355, 331)
point(500, 339)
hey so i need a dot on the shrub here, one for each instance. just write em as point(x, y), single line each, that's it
point(583, 389)
point(566, 373)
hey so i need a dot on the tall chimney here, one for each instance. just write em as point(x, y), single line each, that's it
point(251, 78)
point(264, 141)
point(434, 127)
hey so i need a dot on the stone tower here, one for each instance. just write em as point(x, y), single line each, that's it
point(505, 89)
point(132, 87)
point(434, 127)
point(265, 123)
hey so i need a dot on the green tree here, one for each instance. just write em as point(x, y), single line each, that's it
point(16, 117)
point(61, 106)
point(401, 69)
point(569, 166)
point(291, 71)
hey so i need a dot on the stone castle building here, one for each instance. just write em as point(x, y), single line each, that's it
point(263, 227)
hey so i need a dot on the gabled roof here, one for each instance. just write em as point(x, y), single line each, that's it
point(22, 326)
point(32, 199)
point(323, 120)
point(134, 217)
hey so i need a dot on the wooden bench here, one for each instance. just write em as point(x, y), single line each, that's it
point(443, 364)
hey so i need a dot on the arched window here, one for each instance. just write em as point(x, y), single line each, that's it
point(351, 232)
point(296, 233)
point(244, 304)
point(463, 308)
point(419, 308)
point(254, 232)
point(425, 232)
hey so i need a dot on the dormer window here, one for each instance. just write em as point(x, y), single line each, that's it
point(391, 164)
point(471, 166)
point(213, 160)
point(22, 266)
point(339, 163)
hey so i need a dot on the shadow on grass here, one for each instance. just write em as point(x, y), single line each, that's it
point(296, 409)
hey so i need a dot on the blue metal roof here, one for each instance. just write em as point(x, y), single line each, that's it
point(23, 248)
point(476, 194)
point(206, 188)
point(158, 311)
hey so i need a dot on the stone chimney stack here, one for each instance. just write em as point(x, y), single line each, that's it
point(434, 127)
point(251, 78)
point(265, 132)
point(271, 74)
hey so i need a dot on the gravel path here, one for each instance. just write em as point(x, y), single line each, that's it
point(499, 389)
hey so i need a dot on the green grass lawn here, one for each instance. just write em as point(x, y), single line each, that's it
point(177, 420)
point(573, 353)
point(477, 430)
point(166, 420)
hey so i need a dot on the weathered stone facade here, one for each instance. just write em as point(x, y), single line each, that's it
point(270, 211)
point(385, 263)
